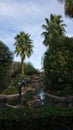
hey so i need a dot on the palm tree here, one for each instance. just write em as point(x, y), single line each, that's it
point(68, 6)
point(53, 28)
point(23, 47)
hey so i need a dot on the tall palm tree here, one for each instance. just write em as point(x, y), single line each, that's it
point(23, 47)
point(68, 7)
point(53, 28)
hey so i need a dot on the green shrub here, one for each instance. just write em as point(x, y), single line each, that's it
point(10, 90)
point(29, 69)
point(58, 66)
point(40, 118)
point(5, 64)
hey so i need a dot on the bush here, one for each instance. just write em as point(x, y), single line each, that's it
point(5, 63)
point(10, 90)
point(58, 66)
point(29, 69)
point(41, 118)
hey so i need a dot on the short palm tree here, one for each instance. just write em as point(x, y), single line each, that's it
point(53, 28)
point(68, 7)
point(23, 47)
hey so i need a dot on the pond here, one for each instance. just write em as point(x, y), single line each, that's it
point(38, 97)
point(45, 99)
point(49, 101)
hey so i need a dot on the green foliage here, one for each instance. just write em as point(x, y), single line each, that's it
point(16, 75)
point(23, 47)
point(58, 61)
point(29, 69)
point(58, 65)
point(5, 63)
point(53, 29)
point(41, 118)
point(10, 90)
point(16, 68)
point(68, 7)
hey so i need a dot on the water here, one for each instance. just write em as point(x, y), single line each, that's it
point(45, 99)
point(48, 101)
point(41, 94)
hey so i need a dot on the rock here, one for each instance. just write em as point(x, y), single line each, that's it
point(69, 99)
point(35, 102)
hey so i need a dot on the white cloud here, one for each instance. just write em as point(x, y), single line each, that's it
point(20, 10)
point(70, 35)
point(28, 16)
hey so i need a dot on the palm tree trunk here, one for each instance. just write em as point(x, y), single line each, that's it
point(22, 65)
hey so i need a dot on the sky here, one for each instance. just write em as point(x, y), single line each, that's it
point(29, 16)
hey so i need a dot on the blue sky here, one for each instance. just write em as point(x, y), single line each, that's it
point(28, 16)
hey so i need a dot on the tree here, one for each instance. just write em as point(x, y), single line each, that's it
point(57, 61)
point(53, 29)
point(58, 66)
point(29, 69)
point(23, 47)
point(68, 6)
point(6, 58)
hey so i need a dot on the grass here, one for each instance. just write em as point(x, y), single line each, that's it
point(10, 91)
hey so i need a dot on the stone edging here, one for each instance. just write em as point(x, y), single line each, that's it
point(67, 99)
point(4, 97)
